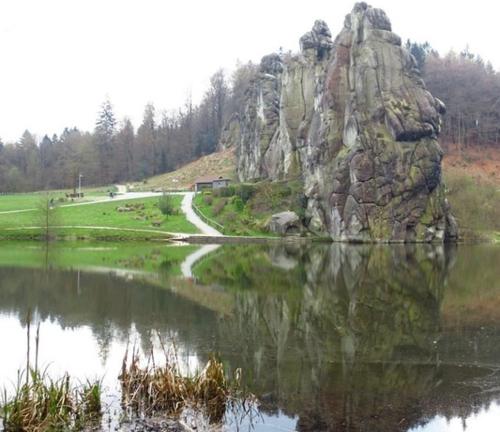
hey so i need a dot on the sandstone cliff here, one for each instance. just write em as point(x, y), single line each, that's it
point(353, 119)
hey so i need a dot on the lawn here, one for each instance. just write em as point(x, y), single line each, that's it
point(141, 214)
point(24, 201)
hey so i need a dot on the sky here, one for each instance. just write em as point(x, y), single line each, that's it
point(60, 59)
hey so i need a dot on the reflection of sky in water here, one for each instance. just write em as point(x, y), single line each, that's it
point(76, 351)
point(71, 350)
point(486, 420)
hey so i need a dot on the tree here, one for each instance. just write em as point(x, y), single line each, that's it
point(46, 216)
point(420, 51)
point(124, 151)
point(471, 91)
point(166, 205)
point(147, 153)
point(104, 135)
point(241, 80)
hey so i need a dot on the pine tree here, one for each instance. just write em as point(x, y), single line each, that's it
point(104, 137)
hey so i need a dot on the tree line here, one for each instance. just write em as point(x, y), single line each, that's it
point(470, 88)
point(115, 152)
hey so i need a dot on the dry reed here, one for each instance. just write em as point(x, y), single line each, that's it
point(154, 389)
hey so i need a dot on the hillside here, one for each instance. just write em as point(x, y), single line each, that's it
point(480, 163)
point(222, 163)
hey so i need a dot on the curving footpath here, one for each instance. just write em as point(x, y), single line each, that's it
point(191, 216)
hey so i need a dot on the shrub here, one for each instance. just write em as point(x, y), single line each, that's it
point(226, 192)
point(166, 205)
point(208, 199)
point(230, 217)
point(219, 206)
point(238, 203)
point(245, 192)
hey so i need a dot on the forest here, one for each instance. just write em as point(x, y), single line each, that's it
point(115, 152)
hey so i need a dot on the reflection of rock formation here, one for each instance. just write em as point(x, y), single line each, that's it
point(353, 342)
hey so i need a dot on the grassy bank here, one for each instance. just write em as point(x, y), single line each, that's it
point(475, 202)
point(138, 219)
point(245, 209)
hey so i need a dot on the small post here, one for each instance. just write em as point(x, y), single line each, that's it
point(80, 185)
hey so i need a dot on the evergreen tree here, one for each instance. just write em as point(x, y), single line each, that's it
point(104, 135)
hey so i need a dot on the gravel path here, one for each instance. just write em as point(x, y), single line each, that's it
point(192, 217)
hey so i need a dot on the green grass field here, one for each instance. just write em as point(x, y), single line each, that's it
point(144, 216)
point(23, 201)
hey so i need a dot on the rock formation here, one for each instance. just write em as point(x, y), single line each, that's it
point(353, 119)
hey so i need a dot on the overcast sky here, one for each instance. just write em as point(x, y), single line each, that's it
point(59, 59)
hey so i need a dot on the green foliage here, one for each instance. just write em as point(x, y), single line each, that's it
point(166, 205)
point(245, 191)
point(238, 203)
point(244, 208)
point(208, 199)
point(227, 191)
point(42, 403)
point(219, 206)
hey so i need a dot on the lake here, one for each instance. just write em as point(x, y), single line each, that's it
point(329, 337)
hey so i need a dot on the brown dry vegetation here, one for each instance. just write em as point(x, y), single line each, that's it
point(472, 179)
point(480, 163)
point(222, 163)
point(162, 389)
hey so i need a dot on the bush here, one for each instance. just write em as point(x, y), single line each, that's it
point(208, 199)
point(230, 217)
point(245, 192)
point(166, 205)
point(219, 206)
point(238, 203)
point(226, 192)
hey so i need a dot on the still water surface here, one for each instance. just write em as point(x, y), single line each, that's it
point(329, 337)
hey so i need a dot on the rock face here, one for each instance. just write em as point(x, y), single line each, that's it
point(353, 119)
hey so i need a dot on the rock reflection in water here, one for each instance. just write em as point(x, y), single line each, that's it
point(352, 338)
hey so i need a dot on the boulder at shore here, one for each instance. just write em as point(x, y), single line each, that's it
point(284, 223)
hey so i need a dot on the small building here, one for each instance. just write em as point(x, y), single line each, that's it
point(211, 182)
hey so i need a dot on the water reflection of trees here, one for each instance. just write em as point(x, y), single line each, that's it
point(344, 337)
point(109, 305)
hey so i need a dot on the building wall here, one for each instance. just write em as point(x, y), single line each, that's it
point(220, 184)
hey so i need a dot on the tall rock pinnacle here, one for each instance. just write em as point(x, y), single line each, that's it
point(353, 119)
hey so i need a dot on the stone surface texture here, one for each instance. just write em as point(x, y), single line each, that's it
point(284, 223)
point(353, 119)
